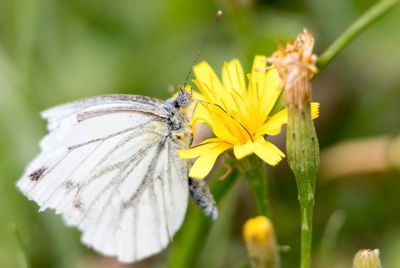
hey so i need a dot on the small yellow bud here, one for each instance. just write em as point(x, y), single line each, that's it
point(259, 236)
point(367, 258)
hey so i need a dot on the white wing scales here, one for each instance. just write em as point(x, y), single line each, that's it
point(110, 168)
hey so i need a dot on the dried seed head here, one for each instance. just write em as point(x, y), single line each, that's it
point(296, 66)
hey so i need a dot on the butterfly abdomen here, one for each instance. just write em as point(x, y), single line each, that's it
point(203, 197)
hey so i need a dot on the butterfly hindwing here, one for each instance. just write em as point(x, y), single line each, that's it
point(110, 167)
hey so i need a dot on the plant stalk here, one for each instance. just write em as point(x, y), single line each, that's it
point(303, 158)
point(253, 169)
point(356, 28)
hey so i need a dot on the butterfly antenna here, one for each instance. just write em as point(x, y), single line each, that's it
point(207, 38)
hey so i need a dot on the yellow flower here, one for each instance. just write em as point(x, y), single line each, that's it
point(239, 116)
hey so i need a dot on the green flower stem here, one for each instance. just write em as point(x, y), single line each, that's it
point(358, 26)
point(303, 158)
point(190, 240)
point(253, 169)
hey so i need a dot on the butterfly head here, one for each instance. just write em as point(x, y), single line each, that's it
point(183, 99)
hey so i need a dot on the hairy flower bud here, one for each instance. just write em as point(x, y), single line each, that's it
point(367, 258)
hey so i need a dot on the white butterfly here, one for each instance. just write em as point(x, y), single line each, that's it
point(109, 166)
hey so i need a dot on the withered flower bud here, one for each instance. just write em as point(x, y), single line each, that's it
point(296, 66)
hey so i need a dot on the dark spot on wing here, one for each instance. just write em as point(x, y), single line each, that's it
point(68, 184)
point(77, 203)
point(37, 174)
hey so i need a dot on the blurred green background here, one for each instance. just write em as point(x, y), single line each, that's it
point(57, 51)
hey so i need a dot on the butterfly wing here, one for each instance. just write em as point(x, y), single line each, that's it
point(110, 167)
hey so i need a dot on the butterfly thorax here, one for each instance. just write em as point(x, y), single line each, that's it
point(178, 124)
point(177, 120)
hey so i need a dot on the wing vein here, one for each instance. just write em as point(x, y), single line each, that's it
point(82, 116)
point(73, 147)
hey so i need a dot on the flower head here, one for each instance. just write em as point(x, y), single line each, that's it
point(239, 115)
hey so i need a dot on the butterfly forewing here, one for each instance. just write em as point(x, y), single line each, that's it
point(109, 166)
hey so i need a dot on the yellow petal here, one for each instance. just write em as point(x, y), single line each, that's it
point(203, 165)
point(242, 112)
point(201, 115)
point(274, 124)
point(259, 63)
point(243, 150)
point(314, 109)
point(197, 96)
point(233, 77)
point(270, 93)
point(197, 150)
point(222, 124)
point(206, 75)
point(268, 152)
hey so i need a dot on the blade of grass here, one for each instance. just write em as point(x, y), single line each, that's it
point(329, 238)
point(22, 245)
point(190, 240)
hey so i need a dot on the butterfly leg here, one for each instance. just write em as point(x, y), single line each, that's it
point(228, 171)
point(203, 197)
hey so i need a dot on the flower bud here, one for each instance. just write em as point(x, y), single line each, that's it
point(301, 139)
point(367, 258)
point(259, 236)
point(296, 66)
